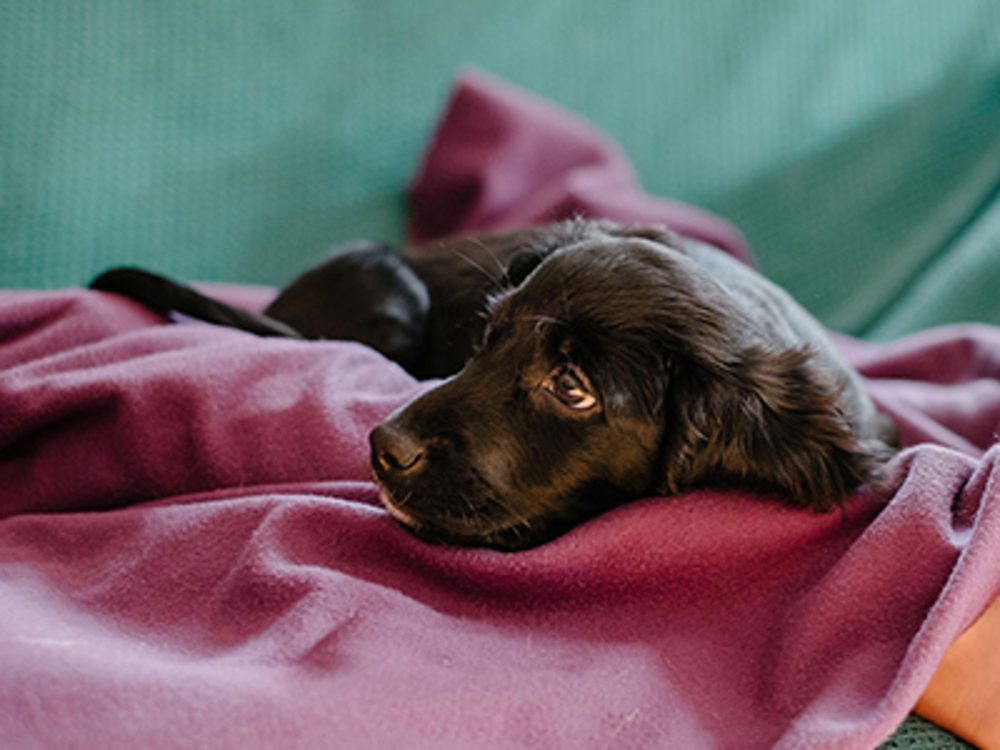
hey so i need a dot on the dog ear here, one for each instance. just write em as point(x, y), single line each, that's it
point(768, 421)
point(658, 233)
point(523, 264)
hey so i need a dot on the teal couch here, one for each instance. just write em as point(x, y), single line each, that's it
point(855, 143)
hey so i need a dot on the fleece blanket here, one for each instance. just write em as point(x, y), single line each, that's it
point(192, 554)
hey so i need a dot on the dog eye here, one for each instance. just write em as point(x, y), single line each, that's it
point(569, 385)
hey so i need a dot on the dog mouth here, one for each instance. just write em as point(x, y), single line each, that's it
point(507, 534)
point(393, 509)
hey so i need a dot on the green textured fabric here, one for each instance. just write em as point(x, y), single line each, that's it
point(856, 143)
point(918, 734)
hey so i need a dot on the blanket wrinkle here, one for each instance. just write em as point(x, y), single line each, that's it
point(502, 158)
point(940, 386)
point(131, 394)
point(948, 355)
point(192, 552)
point(33, 327)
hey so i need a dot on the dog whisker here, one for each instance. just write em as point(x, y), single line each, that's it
point(478, 266)
point(491, 255)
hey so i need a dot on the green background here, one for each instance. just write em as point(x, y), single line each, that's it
point(856, 143)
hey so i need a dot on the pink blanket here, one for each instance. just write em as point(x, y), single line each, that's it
point(192, 555)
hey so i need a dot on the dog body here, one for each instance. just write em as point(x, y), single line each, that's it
point(596, 364)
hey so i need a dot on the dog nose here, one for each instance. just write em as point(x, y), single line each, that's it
point(394, 450)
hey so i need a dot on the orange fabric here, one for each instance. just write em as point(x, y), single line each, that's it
point(964, 694)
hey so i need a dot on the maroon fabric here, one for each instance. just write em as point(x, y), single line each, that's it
point(502, 158)
point(191, 555)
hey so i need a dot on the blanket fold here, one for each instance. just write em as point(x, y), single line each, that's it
point(503, 159)
point(192, 553)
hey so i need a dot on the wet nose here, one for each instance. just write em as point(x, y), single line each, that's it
point(395, 451)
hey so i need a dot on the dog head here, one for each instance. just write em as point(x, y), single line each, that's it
point(615, 368)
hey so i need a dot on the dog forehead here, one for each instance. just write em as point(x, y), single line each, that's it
point(607, 264)
point(593, 274)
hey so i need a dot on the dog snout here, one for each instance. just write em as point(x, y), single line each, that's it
point(395, 451)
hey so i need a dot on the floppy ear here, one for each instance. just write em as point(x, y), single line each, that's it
point(658, 233)
point(768, 421)
point(523, 264)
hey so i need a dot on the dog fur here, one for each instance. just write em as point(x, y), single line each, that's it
point(596, 364)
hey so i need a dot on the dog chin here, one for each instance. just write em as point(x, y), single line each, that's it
point(393, 510)
point(507, 537)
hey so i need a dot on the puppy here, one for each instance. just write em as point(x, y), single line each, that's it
point(598, 364)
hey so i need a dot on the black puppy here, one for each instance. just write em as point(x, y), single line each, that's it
point(599, 364)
